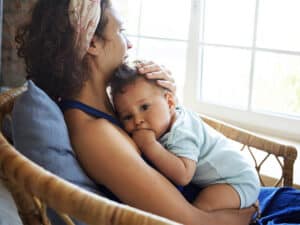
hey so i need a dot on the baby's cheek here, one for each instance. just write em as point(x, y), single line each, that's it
point(160, 130)
point(128, 127)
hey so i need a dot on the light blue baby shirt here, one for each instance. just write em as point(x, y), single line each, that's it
point(218, 159)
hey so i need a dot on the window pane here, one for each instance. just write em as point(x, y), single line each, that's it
point(171, 54)
point(225, 77)
point(278, 24)
point(130, 12)
point(276, 86)
point(165, 19)
point(229, 22)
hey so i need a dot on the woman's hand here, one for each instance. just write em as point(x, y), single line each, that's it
point(158, 72)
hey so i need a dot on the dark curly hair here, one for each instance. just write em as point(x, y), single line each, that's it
point(46, 43)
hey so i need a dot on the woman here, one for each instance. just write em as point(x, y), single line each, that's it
point(71, 48)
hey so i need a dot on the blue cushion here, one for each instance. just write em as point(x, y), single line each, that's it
point(40, 133)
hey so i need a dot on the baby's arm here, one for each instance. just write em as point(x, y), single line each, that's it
point(180, 170)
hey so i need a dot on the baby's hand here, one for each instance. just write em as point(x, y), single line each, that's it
point(143, 138)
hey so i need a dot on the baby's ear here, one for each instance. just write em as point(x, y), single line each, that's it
point(170, 100)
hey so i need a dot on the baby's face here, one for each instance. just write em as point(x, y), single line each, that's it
point(144, 106)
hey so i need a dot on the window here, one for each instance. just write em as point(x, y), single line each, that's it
point(237, 60)
point(158, 33)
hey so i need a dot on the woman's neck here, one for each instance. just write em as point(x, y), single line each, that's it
point(93, 93)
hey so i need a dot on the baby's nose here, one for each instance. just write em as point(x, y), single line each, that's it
point(139, 121)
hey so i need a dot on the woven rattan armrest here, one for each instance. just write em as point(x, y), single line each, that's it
point(250, 140)
point(7, 101)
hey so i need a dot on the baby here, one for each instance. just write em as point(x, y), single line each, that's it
point(180, 145)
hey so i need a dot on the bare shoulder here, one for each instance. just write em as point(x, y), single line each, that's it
point(95, 133)
point(109, 135)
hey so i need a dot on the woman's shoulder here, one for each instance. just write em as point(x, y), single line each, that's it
point(85, 131)
point(82, 123)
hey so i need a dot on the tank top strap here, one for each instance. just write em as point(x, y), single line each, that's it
point(73, 104)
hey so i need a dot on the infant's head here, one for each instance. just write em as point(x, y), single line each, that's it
point(140, 103)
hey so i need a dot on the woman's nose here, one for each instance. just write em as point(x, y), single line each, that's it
point(129, 44)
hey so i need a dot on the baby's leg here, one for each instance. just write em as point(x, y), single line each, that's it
point(218, 196)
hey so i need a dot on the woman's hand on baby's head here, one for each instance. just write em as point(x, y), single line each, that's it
point(157, 72)
point(143, 138)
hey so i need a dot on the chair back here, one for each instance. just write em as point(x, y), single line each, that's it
point(255, 145)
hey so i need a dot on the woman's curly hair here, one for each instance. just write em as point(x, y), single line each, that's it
point(47, 44)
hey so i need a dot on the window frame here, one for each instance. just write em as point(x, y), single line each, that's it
point(278, 125)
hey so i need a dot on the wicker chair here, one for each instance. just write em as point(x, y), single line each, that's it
point(34, 189)
point(285, 155)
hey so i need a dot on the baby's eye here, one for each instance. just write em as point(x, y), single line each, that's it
point(144, 107)
point(126, 118)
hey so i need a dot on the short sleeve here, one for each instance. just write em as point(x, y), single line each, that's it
point(184, 143)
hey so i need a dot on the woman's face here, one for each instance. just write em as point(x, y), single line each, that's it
point(115, 45)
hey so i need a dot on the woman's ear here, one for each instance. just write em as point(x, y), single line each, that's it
point(94, 46)
point(170, 100)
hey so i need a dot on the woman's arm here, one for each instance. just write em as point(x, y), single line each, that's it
point(110, 157)
point(180, 170)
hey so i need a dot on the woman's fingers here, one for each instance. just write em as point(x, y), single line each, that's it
point(141, 63)
point(154, 71)
point(157, 72)
point(168, 85)
point(148, 68)
point(160, 75)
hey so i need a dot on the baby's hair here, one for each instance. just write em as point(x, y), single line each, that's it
point(123, 76)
